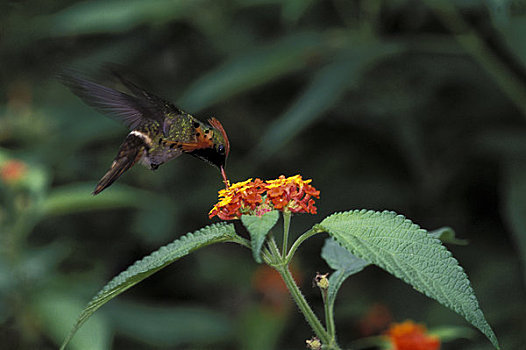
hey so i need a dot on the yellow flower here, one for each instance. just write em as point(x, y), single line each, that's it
point(257, 197)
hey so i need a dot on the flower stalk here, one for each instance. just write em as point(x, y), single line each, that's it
point(286, 228)
point(323, 284)
point(314, 230)
point(281, 264)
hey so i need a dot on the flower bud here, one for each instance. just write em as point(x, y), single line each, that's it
point(313, 343)
point(321, 281)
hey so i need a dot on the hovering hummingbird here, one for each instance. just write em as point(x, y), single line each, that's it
point(159, 131)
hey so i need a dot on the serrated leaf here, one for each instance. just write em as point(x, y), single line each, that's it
point(152, 263)
point(447, 235)
point(402, 248)
point(343, 262)
point(258, 227)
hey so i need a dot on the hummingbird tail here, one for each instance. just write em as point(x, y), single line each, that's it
point(132, 149)
point(118, 167)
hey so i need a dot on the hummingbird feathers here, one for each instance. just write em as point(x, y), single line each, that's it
point(159, 130)
point(131, 151)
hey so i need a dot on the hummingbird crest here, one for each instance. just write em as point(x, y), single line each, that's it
point(159, 131)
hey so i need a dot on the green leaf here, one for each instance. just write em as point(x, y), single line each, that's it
point(57, 311)
point(258, 66)
point(345, 264)
point(449, 333)
point(152, 263)
point(292, 10)
point(78, 198)
point(447, 235)
point(403, 249)
point(326, 88)
point(168, 325)
point(104, 16)
point(260, 328)
point(259, 227)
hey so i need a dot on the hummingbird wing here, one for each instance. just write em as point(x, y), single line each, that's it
point(131, 150)
point(165, 106)
point(130, 110)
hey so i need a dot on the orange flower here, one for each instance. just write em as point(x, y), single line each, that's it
point(411, 336)
point(12, 171)
point(238, 199)
point(248, 197)
point(292, 193)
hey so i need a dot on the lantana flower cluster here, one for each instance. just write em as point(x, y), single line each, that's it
point(257, 197)
point(409, 335)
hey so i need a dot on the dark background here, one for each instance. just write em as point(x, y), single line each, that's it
point(413, 106)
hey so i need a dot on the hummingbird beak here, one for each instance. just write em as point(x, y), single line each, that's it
point(225, 179)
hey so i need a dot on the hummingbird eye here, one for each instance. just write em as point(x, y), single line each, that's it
point(221, 149)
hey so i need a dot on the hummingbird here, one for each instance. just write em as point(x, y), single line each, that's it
point(159, 131)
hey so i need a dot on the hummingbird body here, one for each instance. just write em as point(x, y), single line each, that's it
point(159, 130)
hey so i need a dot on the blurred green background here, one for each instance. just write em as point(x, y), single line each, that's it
point(413, 106)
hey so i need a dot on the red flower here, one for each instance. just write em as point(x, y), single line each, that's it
point(411, 336)
point(12, 171)
point(285, 194)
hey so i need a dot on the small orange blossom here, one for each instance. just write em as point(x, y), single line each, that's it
point(411, 336)
point(12, 171)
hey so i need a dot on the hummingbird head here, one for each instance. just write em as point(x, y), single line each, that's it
point(217, 153)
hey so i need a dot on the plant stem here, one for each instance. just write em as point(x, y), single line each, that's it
point(329, 316)
point(314, 230)
point(304, 307)
point(286, 227)
point(242, 241)
point(280, 263)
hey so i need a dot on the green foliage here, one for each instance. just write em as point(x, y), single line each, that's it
point(113, 16)
point(153, 263)
point(402, 248)
point(59, 310)
point(75, 198)
point(258, 66)
point(326, 88)
point(447, 235)
point(259, 328)
point(259, 227)
point(453, 332)
point(343, 262)
point(169, 325)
